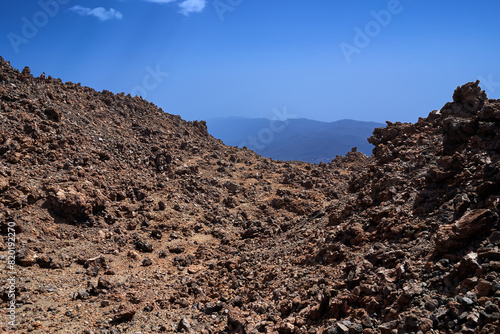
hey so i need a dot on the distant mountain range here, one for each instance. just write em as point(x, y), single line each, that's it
point(294, 139)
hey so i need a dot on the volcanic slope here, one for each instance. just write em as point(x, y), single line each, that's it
point(131, 220)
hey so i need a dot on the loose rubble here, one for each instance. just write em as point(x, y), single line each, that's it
point(131, 220)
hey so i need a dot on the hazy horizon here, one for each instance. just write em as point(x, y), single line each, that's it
point(369, 60)
point(284, 119)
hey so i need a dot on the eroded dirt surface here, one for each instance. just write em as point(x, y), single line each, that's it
point(131, 220)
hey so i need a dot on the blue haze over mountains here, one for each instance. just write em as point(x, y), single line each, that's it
point(295, 139)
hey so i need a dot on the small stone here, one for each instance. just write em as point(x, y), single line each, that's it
point(183, 325)
point(133, 254)
point(147, 262)
point(368, 322)
point(82, 294)
point(156, 234)
point(342, 328)
point(125, 314)
point(490, 317)
point(176, 249)
point(467, 301)
point(37, 325)
point(473, 318)
point(490, 307)
point(237, 301)
point(430, 303)
point(412, 322)
point(53, 114)
point(25, 257)
point(356, 329)
point(110, 271)
point(285, 328)
point(143, 246)
point(386, 328)
point(483, 288)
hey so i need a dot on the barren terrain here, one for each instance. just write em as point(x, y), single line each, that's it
point(131, 220)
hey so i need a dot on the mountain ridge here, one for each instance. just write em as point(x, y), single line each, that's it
point(295, 139)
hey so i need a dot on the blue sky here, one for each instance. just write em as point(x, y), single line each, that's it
point(321, 59)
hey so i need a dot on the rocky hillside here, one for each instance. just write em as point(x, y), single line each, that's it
point(131, 220)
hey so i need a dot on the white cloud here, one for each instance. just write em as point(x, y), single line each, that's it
point(186, 6)
point(160, 1)
point(99, 12)
point(192, 6)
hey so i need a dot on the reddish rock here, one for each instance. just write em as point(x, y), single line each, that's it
point(124, 314)
point(451, 237)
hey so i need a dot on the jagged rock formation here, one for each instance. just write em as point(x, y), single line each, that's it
point(131, 220)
